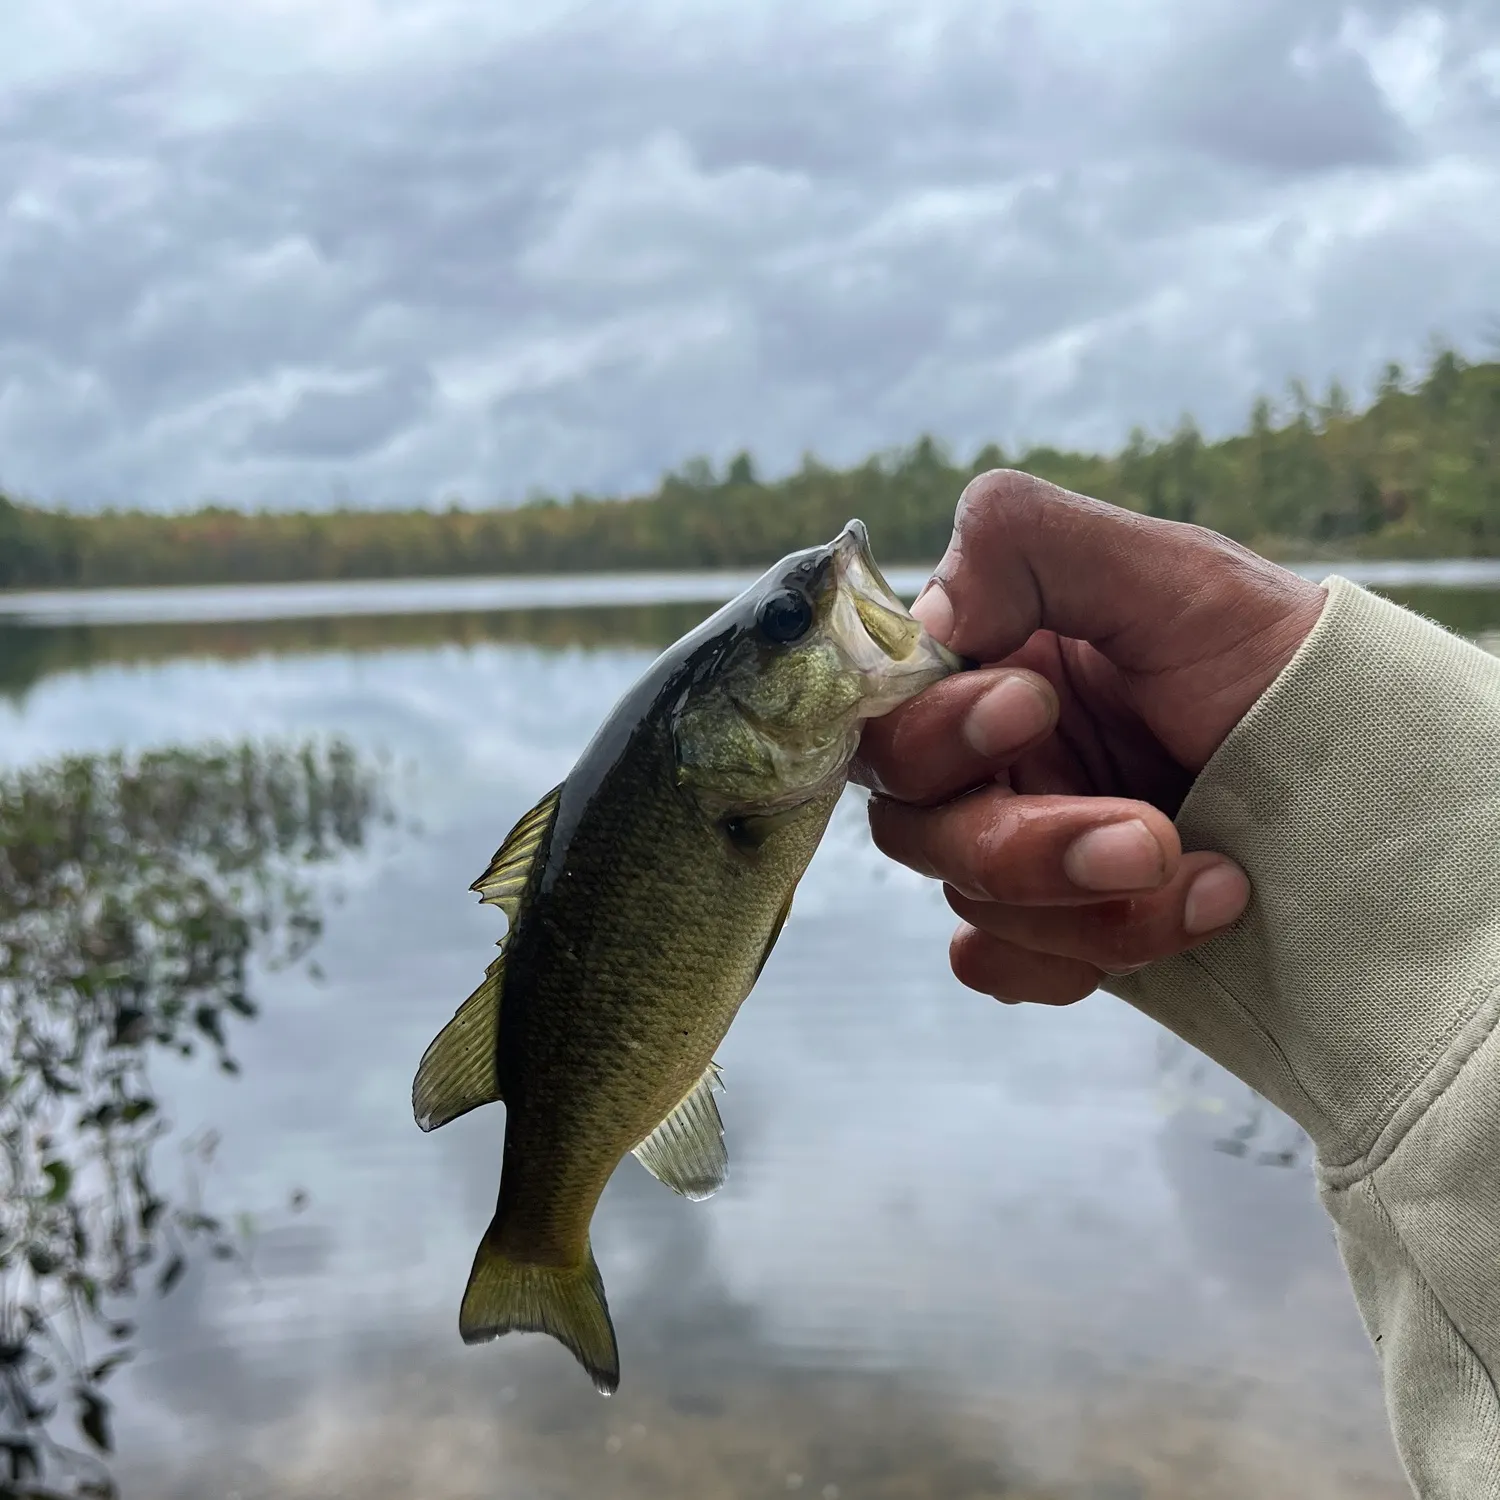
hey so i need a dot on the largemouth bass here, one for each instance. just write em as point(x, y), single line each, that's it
point(644, 895)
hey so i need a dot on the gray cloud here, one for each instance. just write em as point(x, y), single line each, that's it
point(345, 423)
point(316, 251)
point(1287, 100)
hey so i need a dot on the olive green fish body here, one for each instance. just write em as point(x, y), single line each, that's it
point(644, 896)
point(646, 931)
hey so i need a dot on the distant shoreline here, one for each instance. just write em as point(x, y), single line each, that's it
point(209, 603)
point(1415, 474)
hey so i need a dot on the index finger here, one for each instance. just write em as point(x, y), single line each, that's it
point(958, 734)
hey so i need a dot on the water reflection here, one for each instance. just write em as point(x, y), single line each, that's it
point(1474, 612)
point(719, 1406)
point(134, 895)
point(434, 596)
point(31, 652)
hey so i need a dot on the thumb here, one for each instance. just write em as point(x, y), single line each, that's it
point(1028, 556)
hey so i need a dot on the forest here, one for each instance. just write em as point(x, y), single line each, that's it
point(1416, 473)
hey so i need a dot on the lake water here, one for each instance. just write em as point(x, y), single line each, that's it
point(965, 1250)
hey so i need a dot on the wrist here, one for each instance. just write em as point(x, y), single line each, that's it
point(1356, 792)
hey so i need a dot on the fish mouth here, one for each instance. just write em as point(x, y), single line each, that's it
point(878, 633)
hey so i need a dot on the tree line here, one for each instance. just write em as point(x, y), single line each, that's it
point(1415, 473)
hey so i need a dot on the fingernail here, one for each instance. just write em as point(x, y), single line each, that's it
point(1010, 714)
point(935, 610)
point(1119, 857)
point(1215, 899)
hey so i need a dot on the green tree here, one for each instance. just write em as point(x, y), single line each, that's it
point(741, 470)
point(1414, 471)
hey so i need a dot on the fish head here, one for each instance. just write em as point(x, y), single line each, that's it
point(818, 644)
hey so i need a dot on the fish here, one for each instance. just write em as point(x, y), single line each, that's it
point(643, 896)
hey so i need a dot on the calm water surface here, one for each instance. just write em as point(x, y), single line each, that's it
point(965, 1250)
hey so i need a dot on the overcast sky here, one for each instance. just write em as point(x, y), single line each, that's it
point(293, 252)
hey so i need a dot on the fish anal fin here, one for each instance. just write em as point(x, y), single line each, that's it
point(460, 1070)
point(502, 883)
point(510, 1296)
point(686, 1151)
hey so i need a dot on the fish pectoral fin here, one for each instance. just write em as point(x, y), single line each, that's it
point(748, 831)
point(686, 1151)
point(460, 1071)
point(509, 1296)
point(775, 934)
point(501, 885)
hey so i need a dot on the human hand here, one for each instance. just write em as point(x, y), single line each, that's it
point(1120, 650)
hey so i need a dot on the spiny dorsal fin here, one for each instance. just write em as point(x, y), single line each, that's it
point(686, 1151)
point(458, 1072)
point(506, 877)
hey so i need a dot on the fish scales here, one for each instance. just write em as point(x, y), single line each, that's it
point(641, 943)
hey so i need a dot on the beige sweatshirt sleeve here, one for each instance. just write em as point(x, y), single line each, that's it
point(1360, 990)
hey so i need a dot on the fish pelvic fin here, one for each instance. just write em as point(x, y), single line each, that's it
point(686, 1151)
point(460, 1071)
point(511, 1296)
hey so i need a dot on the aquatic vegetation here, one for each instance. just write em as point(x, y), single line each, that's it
point(134, 894)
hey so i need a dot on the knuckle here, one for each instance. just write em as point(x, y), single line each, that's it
point(1220, 565)
point(990, 497)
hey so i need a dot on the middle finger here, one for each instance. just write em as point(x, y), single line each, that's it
point(1031, 851)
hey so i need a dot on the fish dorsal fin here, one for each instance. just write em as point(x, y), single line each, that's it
point(459, 1071)
point(686, 1151)
point(509, 870)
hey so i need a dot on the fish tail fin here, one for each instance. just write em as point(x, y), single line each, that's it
point(506, 1296)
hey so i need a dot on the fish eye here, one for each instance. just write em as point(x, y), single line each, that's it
point(785, 616)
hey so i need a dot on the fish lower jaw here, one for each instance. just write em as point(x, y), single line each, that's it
point(887, 689)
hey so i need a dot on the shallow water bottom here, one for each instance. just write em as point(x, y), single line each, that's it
point(835, 1435)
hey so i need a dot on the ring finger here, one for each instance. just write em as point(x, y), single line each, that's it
point(1205, 895)
point(1013, 974)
